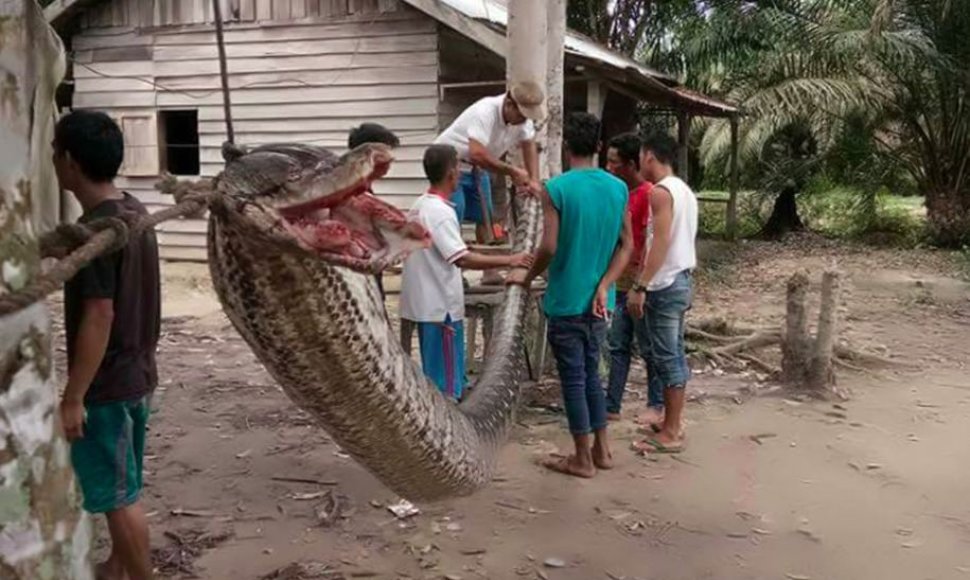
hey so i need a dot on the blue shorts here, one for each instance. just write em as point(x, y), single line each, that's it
point(443, 355)
point(465, 198)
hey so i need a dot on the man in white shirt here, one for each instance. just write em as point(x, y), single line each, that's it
point(664, 288)
point(432, 293)
point(482, 134)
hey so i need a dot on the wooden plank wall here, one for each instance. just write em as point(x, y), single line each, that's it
point(120, 13)
point(306, 80)
point(455, 54)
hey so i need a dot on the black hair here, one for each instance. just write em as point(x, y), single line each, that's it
point(627, 147)
point(371, 133)
point(582, 134)
point(94, 141)
point(438, 161)
point(663, 147)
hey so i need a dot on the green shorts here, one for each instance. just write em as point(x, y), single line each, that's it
point(108, 459)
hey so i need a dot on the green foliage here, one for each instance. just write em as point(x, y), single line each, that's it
point(712, 220)
point(881, 85)
point(839, 211)
point(832, 210)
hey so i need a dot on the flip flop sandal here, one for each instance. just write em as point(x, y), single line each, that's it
point(654, 446)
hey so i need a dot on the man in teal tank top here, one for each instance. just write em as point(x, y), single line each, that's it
point(587, 242)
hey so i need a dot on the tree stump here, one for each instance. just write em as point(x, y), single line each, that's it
point(796, 343)
point(820, 373)
point(808, 362)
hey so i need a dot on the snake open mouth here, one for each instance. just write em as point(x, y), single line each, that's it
point(355, 228)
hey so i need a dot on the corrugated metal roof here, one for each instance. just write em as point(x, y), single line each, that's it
point(491, 15)
point(495, 12)
point(665, 89)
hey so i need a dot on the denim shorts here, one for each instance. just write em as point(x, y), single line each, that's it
point(666, 322)
point(467, 203)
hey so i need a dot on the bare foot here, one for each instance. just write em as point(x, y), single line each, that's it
point(652, 418)
point(109, 571)
point(602, 458)
point(569, 466)
point(613, 416)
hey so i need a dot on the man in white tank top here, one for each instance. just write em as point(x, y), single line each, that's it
point(664, 288)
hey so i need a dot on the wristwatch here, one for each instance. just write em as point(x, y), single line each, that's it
point(639, 288)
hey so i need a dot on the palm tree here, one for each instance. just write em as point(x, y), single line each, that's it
point(902, 65)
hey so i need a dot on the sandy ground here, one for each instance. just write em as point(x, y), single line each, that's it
point(771, 487)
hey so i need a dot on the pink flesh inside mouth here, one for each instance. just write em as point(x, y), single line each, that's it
point(294, 212)
point(355, 228)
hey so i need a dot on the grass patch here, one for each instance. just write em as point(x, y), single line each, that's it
point(833, 211)
point(882, 219)
point(712, 216)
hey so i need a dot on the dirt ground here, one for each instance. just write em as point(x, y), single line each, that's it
point(771, 487)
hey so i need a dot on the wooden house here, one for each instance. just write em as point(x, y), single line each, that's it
point(308, 71)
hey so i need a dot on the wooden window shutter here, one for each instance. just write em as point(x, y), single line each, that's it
point(141, 145)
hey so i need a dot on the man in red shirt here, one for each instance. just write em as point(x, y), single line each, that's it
point(623, 161)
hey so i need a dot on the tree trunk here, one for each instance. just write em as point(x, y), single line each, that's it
point(555, 45)
point(784, 217)
point(619, 116)
point(821, 375)
point(796, 343)
point(42, 534)
point(949, 218)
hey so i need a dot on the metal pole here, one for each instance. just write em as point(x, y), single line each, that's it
point(223, 74)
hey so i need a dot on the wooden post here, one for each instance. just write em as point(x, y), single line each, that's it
point(821, 375)
point(42, 531)
point(555, 46)
point(796, 344)
point(732, 207)
point(683, 142)
point(527, 58)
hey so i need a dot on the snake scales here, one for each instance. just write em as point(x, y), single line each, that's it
point(310, 310)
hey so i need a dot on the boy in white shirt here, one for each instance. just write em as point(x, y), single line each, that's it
point(432, 294)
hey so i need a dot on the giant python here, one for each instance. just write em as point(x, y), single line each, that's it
point(294, 240)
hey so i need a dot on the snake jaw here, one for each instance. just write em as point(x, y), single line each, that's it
point(322, 205)
point(363, 233)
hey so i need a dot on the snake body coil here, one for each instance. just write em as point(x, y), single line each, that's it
point(321, 332)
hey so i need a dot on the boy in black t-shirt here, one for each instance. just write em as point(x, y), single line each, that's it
point(112, 316)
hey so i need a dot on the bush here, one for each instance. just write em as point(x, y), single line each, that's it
point(712, 218)
point(879, 218)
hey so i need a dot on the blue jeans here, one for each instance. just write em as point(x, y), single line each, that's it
point(666, 321)
point(575, 342)
point(623, 332)
point(467, 204)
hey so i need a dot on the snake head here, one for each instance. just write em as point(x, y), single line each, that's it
point(307, 199)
